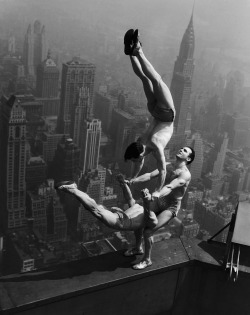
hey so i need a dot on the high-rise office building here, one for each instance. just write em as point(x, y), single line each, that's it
point(219, 162)
point(103, 109)
point(66, 160)
point(47, 78)
point(76, 74)
point(181, 84)
point(196, 142)
point(90, 145)
point(36, 170)
point(47, 212)
point(34, 47)
point(13, 163)
point(48, 144)
point(47, 86)
point(122, 131)
point(82, 111)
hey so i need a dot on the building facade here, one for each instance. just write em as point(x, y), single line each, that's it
point(76, 74)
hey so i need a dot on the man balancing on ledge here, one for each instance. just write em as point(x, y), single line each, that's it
point(160, 105)
point(156, 212)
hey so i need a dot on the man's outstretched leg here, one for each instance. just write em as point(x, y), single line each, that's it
point(107, 217)
point(162, 219)
point(161, 91)
point(137, 250)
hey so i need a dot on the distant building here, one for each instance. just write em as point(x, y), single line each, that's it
point(219, 162)
point(66, 160)
point(82, 112)
point(196, 143)
point(48, 145)
point(36, 171)
point(212, 217)
point(190, 228)
point(103, 109)
point(35, 47)
point(90, 144)
point(213, 183)
point(47, 78)
point(13, 163)
point(76, 74)
point(47, 212)
point(181, 85)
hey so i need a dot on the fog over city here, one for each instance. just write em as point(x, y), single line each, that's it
point(71, 104)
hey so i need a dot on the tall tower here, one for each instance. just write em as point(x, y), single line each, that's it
point(66, 160)
point(47, 78)
point(28, 51)
point(75, 75)
point(13, 163)
point(82, 111)
point(182, 82)
point(219, 163)
point(196, 166)
point(34, 47)
point(90, 146)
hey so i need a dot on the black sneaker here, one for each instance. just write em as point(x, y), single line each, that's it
point(136, 43)
point(128, 42)
point(136, 36)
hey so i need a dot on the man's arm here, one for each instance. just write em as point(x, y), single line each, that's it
point(137, 167)
point(161, 165)
point(146, 177)
point(181, 180)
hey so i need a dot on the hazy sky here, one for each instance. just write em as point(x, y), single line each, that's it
point(217, 23)
point(214, 20)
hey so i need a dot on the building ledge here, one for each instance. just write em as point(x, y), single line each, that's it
point(21, 292)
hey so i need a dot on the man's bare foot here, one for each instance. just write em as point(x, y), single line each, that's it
point(142, 265)
point(66, 186)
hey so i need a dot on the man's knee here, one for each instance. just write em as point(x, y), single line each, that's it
point(148, 232)
point(152, 220)
point(157, 79)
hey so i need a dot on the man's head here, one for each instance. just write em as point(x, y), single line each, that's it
point(186, 154)
point(134, 152)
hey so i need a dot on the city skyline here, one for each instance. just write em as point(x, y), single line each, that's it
point(71, 120)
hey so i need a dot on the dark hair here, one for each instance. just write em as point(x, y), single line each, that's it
point(191, 155)
point(133, 151)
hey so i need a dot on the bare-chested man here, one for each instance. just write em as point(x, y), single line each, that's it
point(163, 206)
point(160, 105)
point(154, 213)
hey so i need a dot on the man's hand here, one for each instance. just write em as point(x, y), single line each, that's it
point(155, 195)
point(145, 194)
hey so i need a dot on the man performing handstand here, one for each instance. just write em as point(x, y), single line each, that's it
point(163, 206)
point(160, 105)
point(155, 214)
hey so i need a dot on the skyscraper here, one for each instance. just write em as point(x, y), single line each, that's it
point(82, 111)
point(47, 78)
point(90, 145)
point(13, 163)
point(219, 162)
point(196, 166)
point(35, 49)
point(66, 160)
point(181, 84)
point(76, 74)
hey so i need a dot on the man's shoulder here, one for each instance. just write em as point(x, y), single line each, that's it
point(186, 173)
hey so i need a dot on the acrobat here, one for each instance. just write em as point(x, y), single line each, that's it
point(160, 105)
point(144, 220)
point(163, 206)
